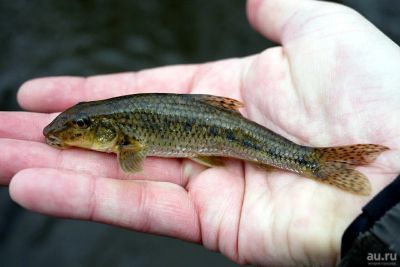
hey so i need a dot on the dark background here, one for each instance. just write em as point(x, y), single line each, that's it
point(44, 38)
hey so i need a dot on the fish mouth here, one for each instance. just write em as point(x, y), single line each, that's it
point(54, 141)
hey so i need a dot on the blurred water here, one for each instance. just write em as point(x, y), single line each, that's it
point(47, 37)
point(44, 37)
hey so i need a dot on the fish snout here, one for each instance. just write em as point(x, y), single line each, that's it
point(47, 130)
point(56, 126)
point(54, 132)
point(52, 137)
point(54, 141)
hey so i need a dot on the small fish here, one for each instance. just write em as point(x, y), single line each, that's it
point(204, 128)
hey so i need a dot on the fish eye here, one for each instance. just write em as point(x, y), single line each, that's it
point(82, 122)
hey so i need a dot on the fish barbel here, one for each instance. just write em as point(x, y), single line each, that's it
point(203, 128)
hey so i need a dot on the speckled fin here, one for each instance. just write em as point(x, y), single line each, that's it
point(336, 166)
point(131, 157)
point(209, 161)
point(221, 102)
point(344, 177)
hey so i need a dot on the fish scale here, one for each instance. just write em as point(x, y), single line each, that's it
point(204, 128)
point(154, 117)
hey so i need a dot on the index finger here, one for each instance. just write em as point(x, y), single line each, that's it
point(53, 94)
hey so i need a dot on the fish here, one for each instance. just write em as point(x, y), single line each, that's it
point(206, 129)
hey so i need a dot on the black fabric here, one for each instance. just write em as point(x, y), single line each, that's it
point(387, 228)
point(371, 213)
point(383, 201)
point(360, 225)
point(368, 250)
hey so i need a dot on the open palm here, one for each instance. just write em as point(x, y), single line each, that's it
point(333, 81)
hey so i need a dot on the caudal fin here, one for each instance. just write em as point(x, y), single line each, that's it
point(336, 166)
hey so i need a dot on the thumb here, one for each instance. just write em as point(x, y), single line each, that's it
point(284, 20)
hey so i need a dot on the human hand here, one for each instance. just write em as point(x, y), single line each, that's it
point(333, 81)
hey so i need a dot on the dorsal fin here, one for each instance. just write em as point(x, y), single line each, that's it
point(221, 102)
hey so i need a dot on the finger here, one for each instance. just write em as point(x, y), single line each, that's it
point(59, 93)
point(26, 154)
point(271, 17)
point(283, 20)
point(24, 125)
point(154, 207)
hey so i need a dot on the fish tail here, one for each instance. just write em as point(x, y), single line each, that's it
point(337, 166)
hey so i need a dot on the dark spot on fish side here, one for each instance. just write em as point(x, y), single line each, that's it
point(230, 135)
point(188, 126)
point(273, 152)
point(249, 144)
point(166, 124)
point(213, 131)
point(301, 161)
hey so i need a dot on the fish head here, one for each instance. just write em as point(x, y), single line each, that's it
point(70, 129)
point(83, 125)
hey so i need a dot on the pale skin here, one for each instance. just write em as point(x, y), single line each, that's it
point(332, 80)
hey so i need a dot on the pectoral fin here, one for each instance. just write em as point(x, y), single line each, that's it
point(131, 157)
point(209, 161)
